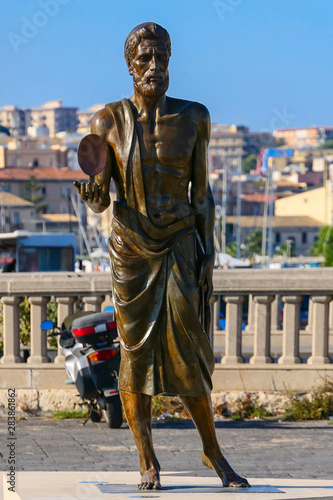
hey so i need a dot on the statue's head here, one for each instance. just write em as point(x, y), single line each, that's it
point(147, 54)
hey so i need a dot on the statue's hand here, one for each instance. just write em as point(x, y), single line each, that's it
point(94, 195)
point(206, 275)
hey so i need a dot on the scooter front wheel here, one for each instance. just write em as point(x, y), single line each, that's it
point(113, 412)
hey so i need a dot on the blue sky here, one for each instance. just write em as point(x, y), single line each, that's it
point(262, 63)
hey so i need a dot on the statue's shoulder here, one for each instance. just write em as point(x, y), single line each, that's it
point(103, 121)
point(195, 109)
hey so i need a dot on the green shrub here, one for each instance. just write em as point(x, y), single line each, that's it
point(248, 408)
point(318, 407)
point(62, 415)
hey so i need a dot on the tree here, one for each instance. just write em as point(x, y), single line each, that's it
point(253, 243)
point(326, 145)
point(324, 245)
point(250, 163)
point(286, 249)
point(279, 142)
point(33, 188)
point(232, 249)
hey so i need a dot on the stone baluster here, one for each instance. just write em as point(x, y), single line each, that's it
point(216, 314)
point(262, 334)
point(11, 330)
point(275, 314)
point(93, 303)
point(290, 340)
point(233, 330)
point(38, 337)
point(331, 318)
point(250, 316)
point(65, 307)
point(320, 330)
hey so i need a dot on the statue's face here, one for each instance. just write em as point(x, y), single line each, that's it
point(149, 67)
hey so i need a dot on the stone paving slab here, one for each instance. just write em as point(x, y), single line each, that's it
point(254, 448)
point(122, 485)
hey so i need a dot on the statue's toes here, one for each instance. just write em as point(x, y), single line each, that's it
point(157, 486)
point(150, 480)
point(233, 480)
point(146, 485)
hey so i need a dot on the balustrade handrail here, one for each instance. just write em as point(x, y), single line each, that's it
point(230, 282)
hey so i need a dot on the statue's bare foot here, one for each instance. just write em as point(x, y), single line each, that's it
point(222, 468)
point(150, 480)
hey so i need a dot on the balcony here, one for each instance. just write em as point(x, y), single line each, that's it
point(265, 356)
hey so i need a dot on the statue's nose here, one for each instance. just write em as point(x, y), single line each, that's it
point(153, 62)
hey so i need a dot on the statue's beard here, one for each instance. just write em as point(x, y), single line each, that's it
point(151, 88)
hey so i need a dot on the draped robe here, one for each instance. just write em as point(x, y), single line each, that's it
point(164, 347)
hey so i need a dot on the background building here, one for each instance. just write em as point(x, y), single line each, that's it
point(14, 211)
point(84, 118)
point(13, 118)
point(304, 137)
point(300, 231)
point(52, 116)
point(50, 185)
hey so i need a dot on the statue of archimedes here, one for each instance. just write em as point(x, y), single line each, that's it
point(161, 247)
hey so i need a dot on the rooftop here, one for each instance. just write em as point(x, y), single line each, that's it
point(11, 200)
point(278, 221)
point(257, 197)
point(41, 173)
point(60, 217)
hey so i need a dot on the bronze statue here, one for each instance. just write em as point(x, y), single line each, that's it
point(161, 247)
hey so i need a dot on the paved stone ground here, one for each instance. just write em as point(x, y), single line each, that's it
point(254, 448)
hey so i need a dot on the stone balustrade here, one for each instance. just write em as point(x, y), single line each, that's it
point(264, 356)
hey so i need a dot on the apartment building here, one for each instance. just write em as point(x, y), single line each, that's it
point(51, 116)
point(13, 119)
point(225, 146)
point(304, 137)
point(84, 118)
point(228, 142)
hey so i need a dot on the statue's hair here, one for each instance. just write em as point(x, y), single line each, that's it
point(148, 31)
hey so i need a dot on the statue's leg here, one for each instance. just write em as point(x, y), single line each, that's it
point(138, 414)
point(201, 412)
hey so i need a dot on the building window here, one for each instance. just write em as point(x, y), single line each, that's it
point(304, 237)
point(277, 237)
point(16, 218)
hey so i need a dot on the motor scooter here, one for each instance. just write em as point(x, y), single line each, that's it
point(92, 358)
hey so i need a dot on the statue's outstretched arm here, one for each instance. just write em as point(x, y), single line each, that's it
point(96, 192)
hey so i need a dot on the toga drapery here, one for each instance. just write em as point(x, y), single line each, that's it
point(154, 284)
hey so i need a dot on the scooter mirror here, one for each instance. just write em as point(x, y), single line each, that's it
point(46, 325)
point(92, 154)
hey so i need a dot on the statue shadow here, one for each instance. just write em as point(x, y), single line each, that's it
point(174, 423)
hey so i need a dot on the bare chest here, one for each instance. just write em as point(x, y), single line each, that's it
point(167, 142)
